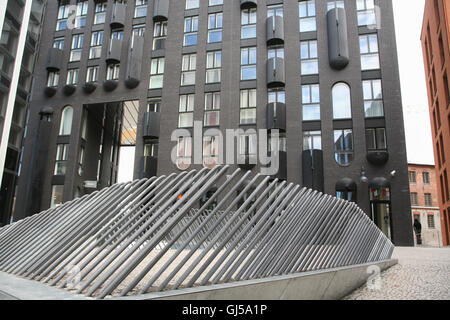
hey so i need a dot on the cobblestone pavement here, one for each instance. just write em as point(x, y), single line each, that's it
point(421, 274)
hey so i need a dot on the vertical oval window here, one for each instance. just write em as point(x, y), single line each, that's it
point(66, 121)
point(342, 102)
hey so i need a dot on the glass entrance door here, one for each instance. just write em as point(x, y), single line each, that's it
point(381, 216)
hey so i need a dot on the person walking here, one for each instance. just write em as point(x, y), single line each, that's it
point(418, 230)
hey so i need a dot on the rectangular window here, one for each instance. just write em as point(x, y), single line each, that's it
point(426, 177)
point(77, 47)
point(215, 2)
point(141, 8)
point(311, 102)
point(312, 140)
point(58, 43)
point(276, 95)
point(373, 98)
point(210, 151)
point(428, 200)
point(248, 63)
point(72, 76)
point(307, 13)
point(212, 109)
point(186, 111)
point(369, 52)
point(446, 90)
point(309, 57)
point(62, 155)
point(192, 4)
point(213, 66)
point(248, 106)
point(117, 34)
point(100, 13)
point(430, 220)
point(154, 105)
point(82, 11)
point(157, 73)
point(151, 149)
point(190, 31)
point(92, 74)
point(159, 35)
point(412, 176)
point(275, 53)
point(275, 10)
point(447, 191)
point(184, 152)
point(53, 79)
point(414, 200)
point(248, 23)
point(215, 27)
point(57, 196)
point(188, 69)
point(63, 15)
point(335, 4)
point(113, 71)
point(343, 146)
point(138, 30)
point(95, 51)
point(376, 139)
point(248, 144)
point(366, 12)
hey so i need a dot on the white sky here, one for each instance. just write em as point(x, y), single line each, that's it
point(408, 25)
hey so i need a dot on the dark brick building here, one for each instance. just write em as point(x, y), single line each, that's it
point(435, 43)
point(323, 74)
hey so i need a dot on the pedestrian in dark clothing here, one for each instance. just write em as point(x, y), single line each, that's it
point(418, 230)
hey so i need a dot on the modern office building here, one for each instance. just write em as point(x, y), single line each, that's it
point(321, 77)
point(435, 44)
point(425, 203)
point(20, 22)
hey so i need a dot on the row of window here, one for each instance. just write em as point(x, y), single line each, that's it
point(413, 177)
point(307, 12)
point(312, 140)
point(427, 196)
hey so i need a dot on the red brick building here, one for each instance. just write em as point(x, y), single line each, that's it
point(435, 43)
point(425, 203)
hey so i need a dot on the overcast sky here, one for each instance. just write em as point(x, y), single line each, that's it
point(408, 23)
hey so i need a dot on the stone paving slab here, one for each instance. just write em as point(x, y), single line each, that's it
point(421, 274)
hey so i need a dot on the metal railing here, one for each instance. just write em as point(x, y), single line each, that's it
point(155, 234)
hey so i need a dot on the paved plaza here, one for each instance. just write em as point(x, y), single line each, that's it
point(421, 274)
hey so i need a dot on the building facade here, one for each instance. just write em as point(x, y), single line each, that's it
point(425, 203)
point(320, 78)
point(435, 43)
point(20, 22)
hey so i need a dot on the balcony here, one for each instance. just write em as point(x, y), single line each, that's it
point(69, 89)
point(312, 168)
point(110, 85)
point(377, 157)
point(50, 91)
point(114, 52)
point(275, 73)
point(134, 63)
point(245, 4)
point(276, 116)
point(89, 87)
point(118, 15)
point(275, 30)
point(54, 59)
point(161, 10)
point(337, 39)
point(151, 122)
